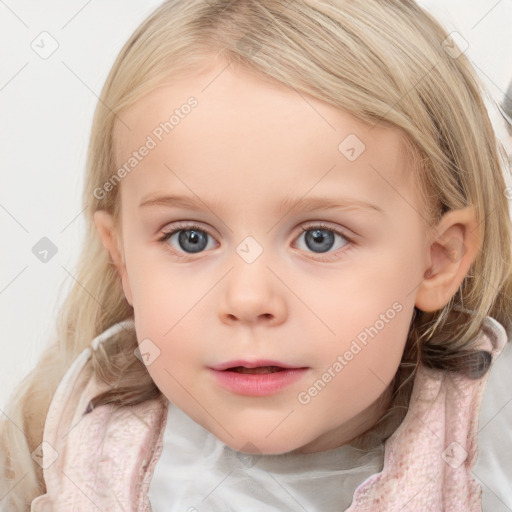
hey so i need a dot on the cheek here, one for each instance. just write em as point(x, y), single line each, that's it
point(164, 309)
point(371, 318)
point(363, 366)
point(165, 314)
point(166, 305)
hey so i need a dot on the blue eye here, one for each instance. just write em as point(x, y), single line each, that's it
point(322, 238)
point(193, 239)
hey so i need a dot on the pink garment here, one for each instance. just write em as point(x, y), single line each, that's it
point(105, 460)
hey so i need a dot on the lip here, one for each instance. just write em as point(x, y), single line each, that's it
point(256, 384)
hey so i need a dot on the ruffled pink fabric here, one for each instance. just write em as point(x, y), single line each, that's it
point(105, 460)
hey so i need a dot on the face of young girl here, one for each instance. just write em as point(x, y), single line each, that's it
point(298, 242)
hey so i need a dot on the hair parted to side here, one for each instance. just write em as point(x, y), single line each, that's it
point(380, 60)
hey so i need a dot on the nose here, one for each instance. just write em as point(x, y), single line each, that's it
point(252, 294)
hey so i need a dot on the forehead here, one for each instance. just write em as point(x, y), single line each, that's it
point(222, 125)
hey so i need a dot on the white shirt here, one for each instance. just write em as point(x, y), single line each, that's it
point(198, 473)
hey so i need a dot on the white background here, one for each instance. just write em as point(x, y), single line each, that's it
point(46, 112)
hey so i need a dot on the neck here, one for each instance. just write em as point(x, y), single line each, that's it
point(357, 430)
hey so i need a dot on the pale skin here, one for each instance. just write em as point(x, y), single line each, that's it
point(246, 146)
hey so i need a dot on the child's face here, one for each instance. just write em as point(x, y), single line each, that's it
point(253, 285)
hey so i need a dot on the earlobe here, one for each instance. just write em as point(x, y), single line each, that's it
point(455, 243)
point(107, 231)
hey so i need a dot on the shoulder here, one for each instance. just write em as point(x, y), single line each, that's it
point(493, 469)
point(114, 446)
point(68, 404)
point(67, 395)
point(437, 440)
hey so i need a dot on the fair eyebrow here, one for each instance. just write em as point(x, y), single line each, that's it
point(287, 203)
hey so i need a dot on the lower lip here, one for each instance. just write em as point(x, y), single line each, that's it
point(258, 384)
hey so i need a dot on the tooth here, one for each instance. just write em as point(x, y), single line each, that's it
point(257, 370)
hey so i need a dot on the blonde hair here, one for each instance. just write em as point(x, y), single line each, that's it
point(383, 61)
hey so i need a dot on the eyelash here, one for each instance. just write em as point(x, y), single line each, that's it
point(185, 227)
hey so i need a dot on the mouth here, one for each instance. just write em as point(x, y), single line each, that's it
point(259, 370)
point(257, 367)
point(257, 378)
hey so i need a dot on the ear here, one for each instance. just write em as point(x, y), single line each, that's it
point(107, 230)
point(453, 247)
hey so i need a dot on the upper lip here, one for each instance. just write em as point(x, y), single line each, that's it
point(252, 364)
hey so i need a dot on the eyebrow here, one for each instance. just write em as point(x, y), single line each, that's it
point(286, 204)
